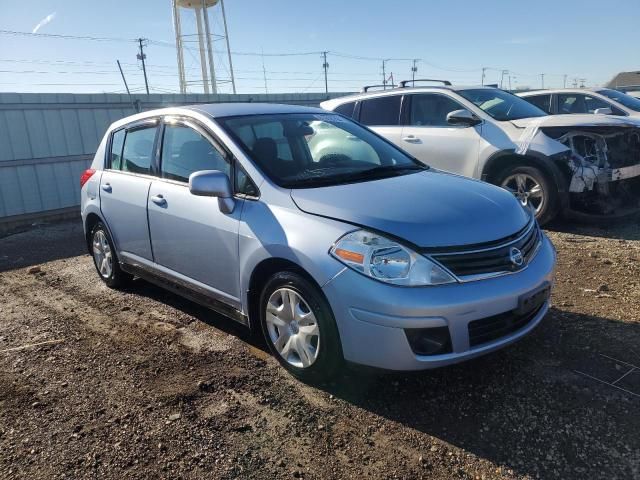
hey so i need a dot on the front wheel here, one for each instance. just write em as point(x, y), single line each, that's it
point(533, 189)
point(299, 327)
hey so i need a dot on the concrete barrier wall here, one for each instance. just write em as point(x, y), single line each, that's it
point(48, 139)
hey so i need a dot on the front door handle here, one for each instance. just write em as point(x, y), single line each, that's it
point(106, 187)
point(411, 139)
point(159, 200)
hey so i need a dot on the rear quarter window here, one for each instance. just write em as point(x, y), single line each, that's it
point(117, 142)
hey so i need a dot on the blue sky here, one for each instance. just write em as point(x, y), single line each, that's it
point(454, 40)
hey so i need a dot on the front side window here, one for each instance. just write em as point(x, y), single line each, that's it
point(185, 150)
point(578, 103)
point(326, 149)
point(501, 105)
point(138, 150)
point(622, 98)
point(543, 102)
point(117, 142)
point(431, 110)
point(381, 110)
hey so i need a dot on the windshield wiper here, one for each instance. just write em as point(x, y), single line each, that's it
point(370, 173)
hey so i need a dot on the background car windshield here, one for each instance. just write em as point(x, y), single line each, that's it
point(306, 150)
point(501, 105)
point(622, 98)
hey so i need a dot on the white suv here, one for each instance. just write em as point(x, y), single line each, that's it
point(584, 100)
point(583, 164)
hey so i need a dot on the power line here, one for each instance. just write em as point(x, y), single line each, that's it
point(66, 37)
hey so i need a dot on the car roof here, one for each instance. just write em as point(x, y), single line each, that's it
point(400, 91)
point(219, 110)
point(561, 90)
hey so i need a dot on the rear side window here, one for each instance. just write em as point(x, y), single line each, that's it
point(117, 142)
point(381, 110)
point(543, 102)
point(138, 150)
point(184, 151)
point(431, 110)
point(346, 109)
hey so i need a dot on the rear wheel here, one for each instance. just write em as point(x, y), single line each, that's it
point(299, 327)
point(105, 258)
point(533, 189)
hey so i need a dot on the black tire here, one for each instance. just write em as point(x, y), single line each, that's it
point(116, 278)
point(550, 195)
point(329, 356)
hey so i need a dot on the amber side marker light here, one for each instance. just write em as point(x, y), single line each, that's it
point(349, 256)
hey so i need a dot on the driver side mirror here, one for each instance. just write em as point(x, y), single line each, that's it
point(603, 111)
point(213, 183)
point(462, 117)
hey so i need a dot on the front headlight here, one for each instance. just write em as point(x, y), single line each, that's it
point(388, 261)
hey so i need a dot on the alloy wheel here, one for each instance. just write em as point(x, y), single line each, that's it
point(526, 189)
point(292, 327)
point(102, 254)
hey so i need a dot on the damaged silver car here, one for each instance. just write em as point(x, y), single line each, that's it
point(577, 165)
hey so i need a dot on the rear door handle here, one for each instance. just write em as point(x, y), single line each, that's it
point(411, 139)
point(159, 200)
point(106, 187)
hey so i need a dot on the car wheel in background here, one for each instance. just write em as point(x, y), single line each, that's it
point(105, 258)
point(533, 189)
point(299, 327)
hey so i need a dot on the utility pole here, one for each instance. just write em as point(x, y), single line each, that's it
point(141, 56)
point(414, 69)
point(325, 66)
point(384, 75)
point(502, 74)
point(124, 80)
point(264, 74)
point(564, 83)
point(542, 80)
point(484, 69)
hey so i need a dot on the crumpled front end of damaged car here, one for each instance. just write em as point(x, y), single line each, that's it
point(602, 165)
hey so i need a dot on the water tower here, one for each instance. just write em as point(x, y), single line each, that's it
point(215, 61)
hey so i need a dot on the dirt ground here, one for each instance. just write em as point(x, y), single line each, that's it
point(143, 384)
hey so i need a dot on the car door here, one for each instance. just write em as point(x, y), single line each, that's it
point(191, 238)
point(124, 187)
point(382, 115)
point(427, 136)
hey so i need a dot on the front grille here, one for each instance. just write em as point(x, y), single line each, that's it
point(492, 260)
point(491, 328)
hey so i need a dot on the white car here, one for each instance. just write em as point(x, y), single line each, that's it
point(584, 165)
point(584, 100)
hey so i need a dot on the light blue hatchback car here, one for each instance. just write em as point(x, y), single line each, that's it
point(354, 252)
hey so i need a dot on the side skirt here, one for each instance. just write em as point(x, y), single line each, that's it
point(185, 290)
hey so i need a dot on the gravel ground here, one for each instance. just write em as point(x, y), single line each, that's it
point(143, 384)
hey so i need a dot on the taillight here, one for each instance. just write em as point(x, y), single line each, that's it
point(86, 175)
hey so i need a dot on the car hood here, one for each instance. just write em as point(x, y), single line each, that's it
point(428, 209)
point(589, 120)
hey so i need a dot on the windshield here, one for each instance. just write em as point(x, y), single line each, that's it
point(622, 98)
point(316, 149)
point(501, 105)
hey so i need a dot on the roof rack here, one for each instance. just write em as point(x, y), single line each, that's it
point(404, 83)
point(367, 87)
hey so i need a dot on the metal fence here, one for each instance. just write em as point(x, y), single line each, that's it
point(48, 139)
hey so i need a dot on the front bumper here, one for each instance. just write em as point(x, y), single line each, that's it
point(372, 315)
